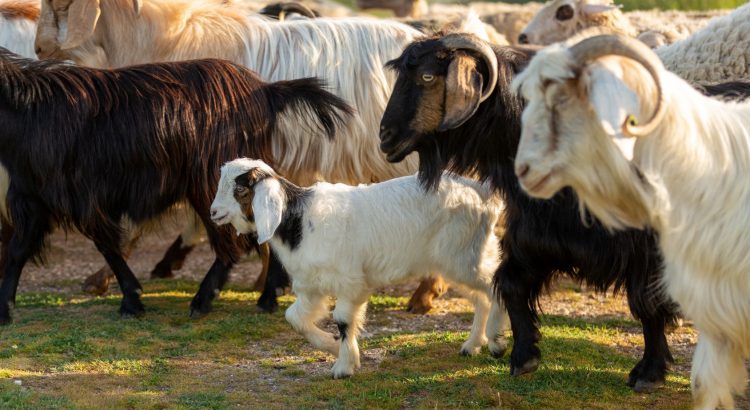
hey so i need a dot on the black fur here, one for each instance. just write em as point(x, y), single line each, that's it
point(542, 238)
point(343, 329)
point(86, 147)
point(731, 91)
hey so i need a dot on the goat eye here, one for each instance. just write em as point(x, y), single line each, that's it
point(240, 189)
point(564, 12)
point(427, 77)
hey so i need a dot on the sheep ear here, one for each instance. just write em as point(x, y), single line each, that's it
point(268, 206)
point(463, 88)
point(613, 101)
point(597, 8)
point(82, 18)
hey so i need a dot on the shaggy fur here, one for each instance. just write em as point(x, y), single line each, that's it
point(347, 241)
point(347, 53)
point(542, 238)
point(688, 180)
point(718, 53)
point(86, 148)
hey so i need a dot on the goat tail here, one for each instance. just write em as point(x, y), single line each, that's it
point(309, 105)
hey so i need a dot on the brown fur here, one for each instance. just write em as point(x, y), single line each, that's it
point(430, 112)
point(20, 10)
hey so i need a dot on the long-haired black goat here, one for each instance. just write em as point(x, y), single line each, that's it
point(86, 148)
point(445, 106)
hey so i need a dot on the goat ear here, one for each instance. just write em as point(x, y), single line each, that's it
point(137, 7)
point(613, 101)
point(463, 88)
point(82, 18)
point(268, 206)
point(597, 8)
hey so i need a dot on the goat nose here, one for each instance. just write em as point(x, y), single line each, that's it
point(214, 212)
point(523, 39)
point(522, 170)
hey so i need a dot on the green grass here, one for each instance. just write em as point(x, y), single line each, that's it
point(75, 352)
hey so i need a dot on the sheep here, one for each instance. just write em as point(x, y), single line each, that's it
point(345, 241)
point(685, 177)
point(88, 148)
point(561, 19)
point(459, 23)
point(507, 19)
point(453, 106)
point(115, 33)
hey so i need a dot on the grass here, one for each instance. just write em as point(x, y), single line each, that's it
point(75, 352)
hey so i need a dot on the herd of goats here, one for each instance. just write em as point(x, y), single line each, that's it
point(494, 166)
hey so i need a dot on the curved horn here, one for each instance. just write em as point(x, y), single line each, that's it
point(462, 41)
point(600, 46)
point(299, 9)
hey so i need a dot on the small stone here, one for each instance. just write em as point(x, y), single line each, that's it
point(15, 346)
point(17, 382)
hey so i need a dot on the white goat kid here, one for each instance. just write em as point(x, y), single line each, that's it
point(685, 176)
point(345, 241)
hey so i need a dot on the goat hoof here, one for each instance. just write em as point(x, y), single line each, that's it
point(497, 350)
point(340, 372)
point(268, 304)
point(528, 367)
point(5, 319)
point(97, 284)
point(162, 272)
point(419, 307)
point(645, 386)
point(135, 310)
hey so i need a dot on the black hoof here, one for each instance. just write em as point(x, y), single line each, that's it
point(498, 354)
point(268, 303)
point(162, 271)
point(199, 309)
point(5, 319)
point(528, 367)
point(642, 386)
point(133, 309)
point(647, 377)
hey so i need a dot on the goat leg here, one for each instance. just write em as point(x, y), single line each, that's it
point(276, 278)
point(210, 287)
point(131, 289)
point(6, 232)
point(430, 288)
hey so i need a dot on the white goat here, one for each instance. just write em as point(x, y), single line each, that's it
point(345, 241)
point(687, 179)
point(18, 26)
point(716, 53)
point(561, 19)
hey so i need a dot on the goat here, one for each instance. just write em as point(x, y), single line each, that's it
point(115, 33)
point(345, 241)
point(715, 52)
point(685, 177)
point(452, 105)
point(86, 148)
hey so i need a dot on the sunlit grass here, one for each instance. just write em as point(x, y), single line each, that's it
point(75, 352)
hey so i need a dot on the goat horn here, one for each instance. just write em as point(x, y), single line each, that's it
point(594, 47)
point(461, 41)
point(299, 9)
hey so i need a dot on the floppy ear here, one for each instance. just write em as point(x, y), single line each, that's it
point(597, 8)
point(268, 206)
point(463, 88)
point(82, 18)
point(613, 101)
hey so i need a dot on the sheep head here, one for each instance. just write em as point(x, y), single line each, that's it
point(249, 197)
point(580, 100)
point(561, 19)
point(67, 24)
point(441, 83)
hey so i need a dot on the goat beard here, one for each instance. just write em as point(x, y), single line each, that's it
point(431, 163)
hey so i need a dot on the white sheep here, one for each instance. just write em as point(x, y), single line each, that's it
point(346, 241)
point(560, 19)
point(687, 179)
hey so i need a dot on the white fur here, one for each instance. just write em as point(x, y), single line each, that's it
point(356, 239)
point(694, 190)
point(17, 34)
point(348, 53)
